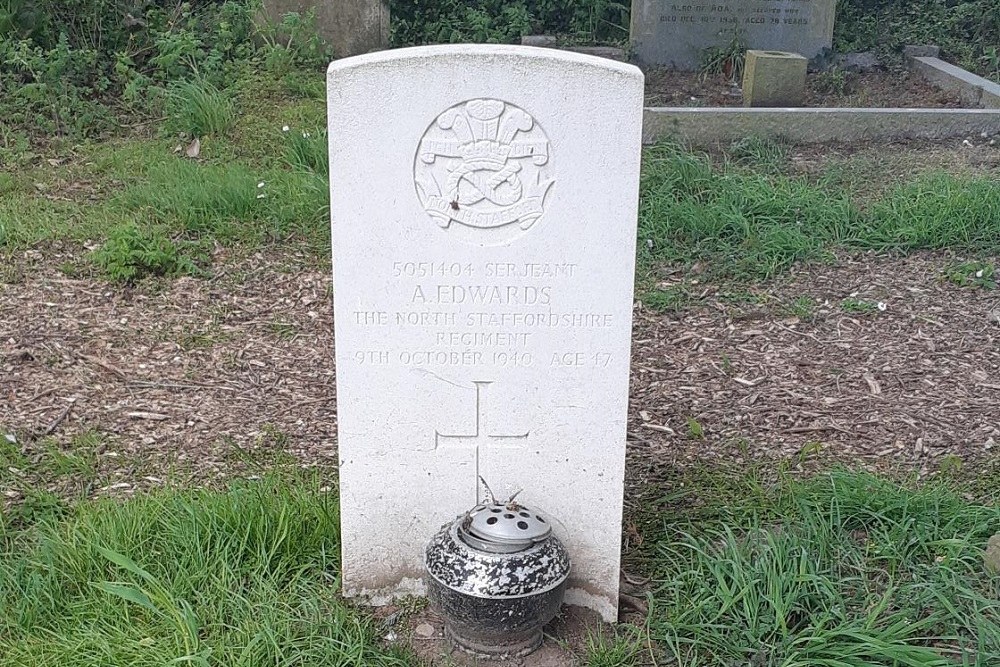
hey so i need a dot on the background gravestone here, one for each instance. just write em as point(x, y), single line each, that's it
point(675, 34)
point(349, 27)
point(484, 225)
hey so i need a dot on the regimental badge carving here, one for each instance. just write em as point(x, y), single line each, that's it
point(483, 164)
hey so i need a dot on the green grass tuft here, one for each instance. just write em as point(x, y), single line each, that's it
point(745, 225)
point(624, 648)
point(198, 109)
point(752, 224)
point(670, 299)
point(936, 212)
point(803, 307)
point(241, 578)
point(842, 569)
point(231, 203)
point(859, 306)
point(308, 151)
point(762, 153)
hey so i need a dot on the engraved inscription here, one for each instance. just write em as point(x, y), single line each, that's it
point(729, 16)
point(483, 436)
point(483, 164)
point(500, 325)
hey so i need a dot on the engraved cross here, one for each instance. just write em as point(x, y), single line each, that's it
point(483, 436)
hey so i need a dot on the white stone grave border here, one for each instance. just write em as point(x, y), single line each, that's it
point(719, 126)
point(974, 90)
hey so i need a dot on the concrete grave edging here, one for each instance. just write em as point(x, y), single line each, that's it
point(706, 127)
point(975, 90)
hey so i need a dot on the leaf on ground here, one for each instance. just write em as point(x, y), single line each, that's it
point(127, 592)
point(123, 561)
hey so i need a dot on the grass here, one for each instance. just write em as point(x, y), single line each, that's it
point(262, 178)
point(308, 152)
point(840, 570)
point(670, 299)
point(749, 566)
point(746, 220)
point(145, 189)
point(624, 648)
point(803, 307)
point(157, 213)
point(197, 108)
point(760, 153)
point(743, 224)
point(43, 474)
point(244, 577)
point(859, 306)
point(982, 275)
point(228, 204)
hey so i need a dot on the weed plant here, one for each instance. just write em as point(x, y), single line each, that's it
point(968, 31)
point(728, 59)
point(133, 252)
point(982, 275)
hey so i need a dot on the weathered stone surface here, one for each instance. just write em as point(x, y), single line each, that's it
point(975, 90)
point(548, 41)
point(918, 50)
point(676, 34)
point(863, 61)
point(709, 127)
point(991, 558)
point(350, 27)
point(612, 52)
point(484, 227)
point(774, 79)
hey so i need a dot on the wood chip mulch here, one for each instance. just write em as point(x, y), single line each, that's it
point(187, 379)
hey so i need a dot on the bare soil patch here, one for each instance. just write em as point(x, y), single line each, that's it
point(188, 379)
point(191, 378)
point(910, 382)
point(565, 641)
point(889, 89)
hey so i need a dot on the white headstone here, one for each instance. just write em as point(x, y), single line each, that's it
point(484, 204)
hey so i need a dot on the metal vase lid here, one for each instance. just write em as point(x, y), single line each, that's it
point(503, 527)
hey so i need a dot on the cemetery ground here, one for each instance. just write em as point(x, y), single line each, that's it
point(813, 436)
point(892, 88)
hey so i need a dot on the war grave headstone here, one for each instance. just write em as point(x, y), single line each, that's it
point(676, 34)
point(484, 224)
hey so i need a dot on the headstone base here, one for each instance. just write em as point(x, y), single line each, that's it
point(774, 79)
